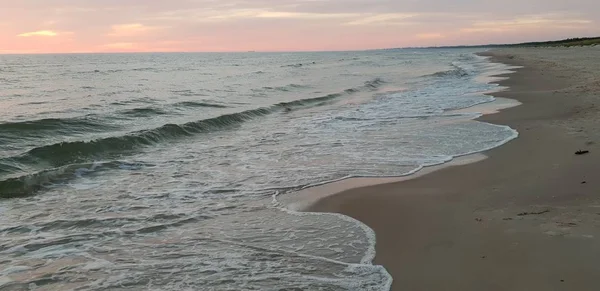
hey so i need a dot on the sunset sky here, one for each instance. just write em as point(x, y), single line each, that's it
point(51, 26)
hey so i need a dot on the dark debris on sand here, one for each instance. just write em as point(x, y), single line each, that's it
point(533, 213)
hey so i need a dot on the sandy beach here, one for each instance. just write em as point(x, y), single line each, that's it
point(525, 218)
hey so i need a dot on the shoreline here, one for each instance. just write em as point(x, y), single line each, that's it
point(429, 225)
point(303, 199)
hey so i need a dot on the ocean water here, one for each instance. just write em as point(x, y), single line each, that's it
point(162, 171)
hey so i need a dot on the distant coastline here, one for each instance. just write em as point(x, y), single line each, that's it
point(569, 42)
point(581, 41)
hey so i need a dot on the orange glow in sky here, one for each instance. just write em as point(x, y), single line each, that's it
point(65, 26)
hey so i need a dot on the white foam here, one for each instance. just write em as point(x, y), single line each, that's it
point(369, 256)
point(5, 280)
point(499, 104)
point(14, 269)
point(303, 202)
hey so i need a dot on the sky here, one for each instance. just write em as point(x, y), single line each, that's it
point(79, 26)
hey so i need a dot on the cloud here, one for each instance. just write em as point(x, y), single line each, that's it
point(229, 14)
point(46, 33)
point(384, 18)
point(131, 29)
point(302, 15)
point(546, 21)
point(120, 45)
point(429, 36)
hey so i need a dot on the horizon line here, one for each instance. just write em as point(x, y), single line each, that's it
point(299, 51)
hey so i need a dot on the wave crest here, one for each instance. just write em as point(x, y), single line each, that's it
point(455, 72)
point(60, 155)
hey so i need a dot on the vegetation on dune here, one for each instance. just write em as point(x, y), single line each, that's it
point(585, 41)
point(570, 42)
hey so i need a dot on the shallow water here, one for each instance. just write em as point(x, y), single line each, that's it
point(157, 171)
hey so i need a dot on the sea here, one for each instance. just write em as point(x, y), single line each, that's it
point(162, 171)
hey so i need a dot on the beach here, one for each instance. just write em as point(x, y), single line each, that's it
point(525, 218)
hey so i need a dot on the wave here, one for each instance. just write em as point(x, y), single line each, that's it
point(298, 65)
point(374, 84)
point(159, 219)
point(286, 88)
point(115, 71)
point(198, 104)
point(146, 100)
point(62, 158)
point(455, 72)
point(58, 125)
point(146, 69)
point(467, 57)
point(84, 124)
point(29, 103)
point(143, 112)
point(27, 184)
point(324, 100)
point(60, 155)
point(188, 93)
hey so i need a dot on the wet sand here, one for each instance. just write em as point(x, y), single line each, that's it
point(525, 218)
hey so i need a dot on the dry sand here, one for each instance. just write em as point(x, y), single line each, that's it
point(526, 218)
